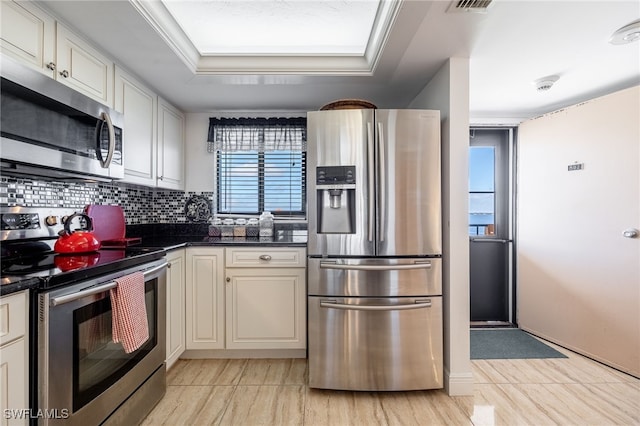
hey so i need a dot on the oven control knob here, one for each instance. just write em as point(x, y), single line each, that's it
point(51, 220)
point(64, 219)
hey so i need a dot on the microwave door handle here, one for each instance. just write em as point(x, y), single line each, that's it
point(382, 190)
point(112, 141)
point(370, 179)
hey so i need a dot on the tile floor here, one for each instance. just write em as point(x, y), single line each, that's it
point(572, 391)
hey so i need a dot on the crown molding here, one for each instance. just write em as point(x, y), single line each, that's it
point(157, 15)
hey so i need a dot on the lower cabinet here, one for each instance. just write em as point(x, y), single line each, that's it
point(14, 358)
point(176, 305)
point(265, 308)
point(246, 298)
point(205, 298)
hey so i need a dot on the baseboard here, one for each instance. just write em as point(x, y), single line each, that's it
point(460, 384)
point(243, 353)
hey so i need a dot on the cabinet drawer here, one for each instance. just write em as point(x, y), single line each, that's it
point(267, 257)
point(13, 317)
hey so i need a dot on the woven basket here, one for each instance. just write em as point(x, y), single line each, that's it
point(348, 104)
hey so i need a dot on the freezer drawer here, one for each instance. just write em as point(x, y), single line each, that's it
point(374, 344)
point(375, 277)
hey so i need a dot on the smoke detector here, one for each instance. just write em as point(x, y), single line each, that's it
point(627, 34)
point(543, 84)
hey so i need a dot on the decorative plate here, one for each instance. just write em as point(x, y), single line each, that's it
point(197, 209)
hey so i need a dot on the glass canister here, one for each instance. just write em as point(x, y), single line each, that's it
point(240, 228)
point(227, 228)
point(253, 228)
point(266, 224)
point(215, 229)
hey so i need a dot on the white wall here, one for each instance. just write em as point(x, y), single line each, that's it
point(578, 277)
point(448, 92)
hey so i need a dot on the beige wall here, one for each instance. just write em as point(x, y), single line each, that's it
point(578, 277)
point(448, 92)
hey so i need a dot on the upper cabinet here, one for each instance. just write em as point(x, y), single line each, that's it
point(170, 146)
point(139, 106)
point(33, 37)
point(29, 35)
point(153, 135)
point(82, 67)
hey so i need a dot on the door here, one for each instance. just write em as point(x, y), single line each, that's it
point(340, 138)
point(408, 182)
point(490, 229)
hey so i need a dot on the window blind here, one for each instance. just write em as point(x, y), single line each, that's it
point(260, 165)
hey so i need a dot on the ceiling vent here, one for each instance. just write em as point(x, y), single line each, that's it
point(479, 6)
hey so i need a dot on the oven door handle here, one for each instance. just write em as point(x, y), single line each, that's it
point(60, 300)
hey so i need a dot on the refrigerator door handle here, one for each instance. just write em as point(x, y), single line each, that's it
point(416, 265)
point(382, 163)
point(370, 178)
point(332, 304)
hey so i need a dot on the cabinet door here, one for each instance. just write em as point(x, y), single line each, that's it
point(82, 67)
point(265, 308)
point(13, 381)
point(205, 298)
point(139, 106)
point(14, 354)
point(176, 294)
point(170, 147)
point(28, 35)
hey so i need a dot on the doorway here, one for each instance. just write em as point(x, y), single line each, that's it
point(491, 171)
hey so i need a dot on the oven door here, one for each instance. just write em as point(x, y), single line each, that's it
point(83, 376)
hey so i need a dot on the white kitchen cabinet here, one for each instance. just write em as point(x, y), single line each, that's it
point(170, 146)
point(176, 305)
point(139, 105)
point(36, 39)
point(14, 376)
point(205, 298)
point(28, 34)
point(265, 295)
point(82, 67)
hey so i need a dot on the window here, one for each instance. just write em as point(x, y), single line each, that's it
point(482, 190)
point(260, 165)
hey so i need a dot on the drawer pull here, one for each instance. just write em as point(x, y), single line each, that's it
point(265, 257)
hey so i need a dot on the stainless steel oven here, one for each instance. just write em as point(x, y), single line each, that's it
point(83, 377)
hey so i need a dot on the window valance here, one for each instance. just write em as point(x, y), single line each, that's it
point(257, 134)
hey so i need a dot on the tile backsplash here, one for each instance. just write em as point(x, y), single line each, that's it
point(141, 205)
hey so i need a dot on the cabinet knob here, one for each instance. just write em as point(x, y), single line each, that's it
point(64, 73)
point(228, 279)
point(51, 66)
point(265, 257)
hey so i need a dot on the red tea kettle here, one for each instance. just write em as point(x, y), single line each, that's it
point(78, 241)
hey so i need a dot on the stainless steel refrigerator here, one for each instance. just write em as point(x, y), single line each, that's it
point(374, 249)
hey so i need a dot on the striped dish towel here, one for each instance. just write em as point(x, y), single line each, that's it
point(129, 312)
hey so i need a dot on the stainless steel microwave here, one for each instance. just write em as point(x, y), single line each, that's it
point(50, 130)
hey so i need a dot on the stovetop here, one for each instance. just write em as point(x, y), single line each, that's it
point(54, 270)
point(28, 237)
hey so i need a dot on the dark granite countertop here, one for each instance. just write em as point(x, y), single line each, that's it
point(174, 236)
point(289, 238)
point(18, 284)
